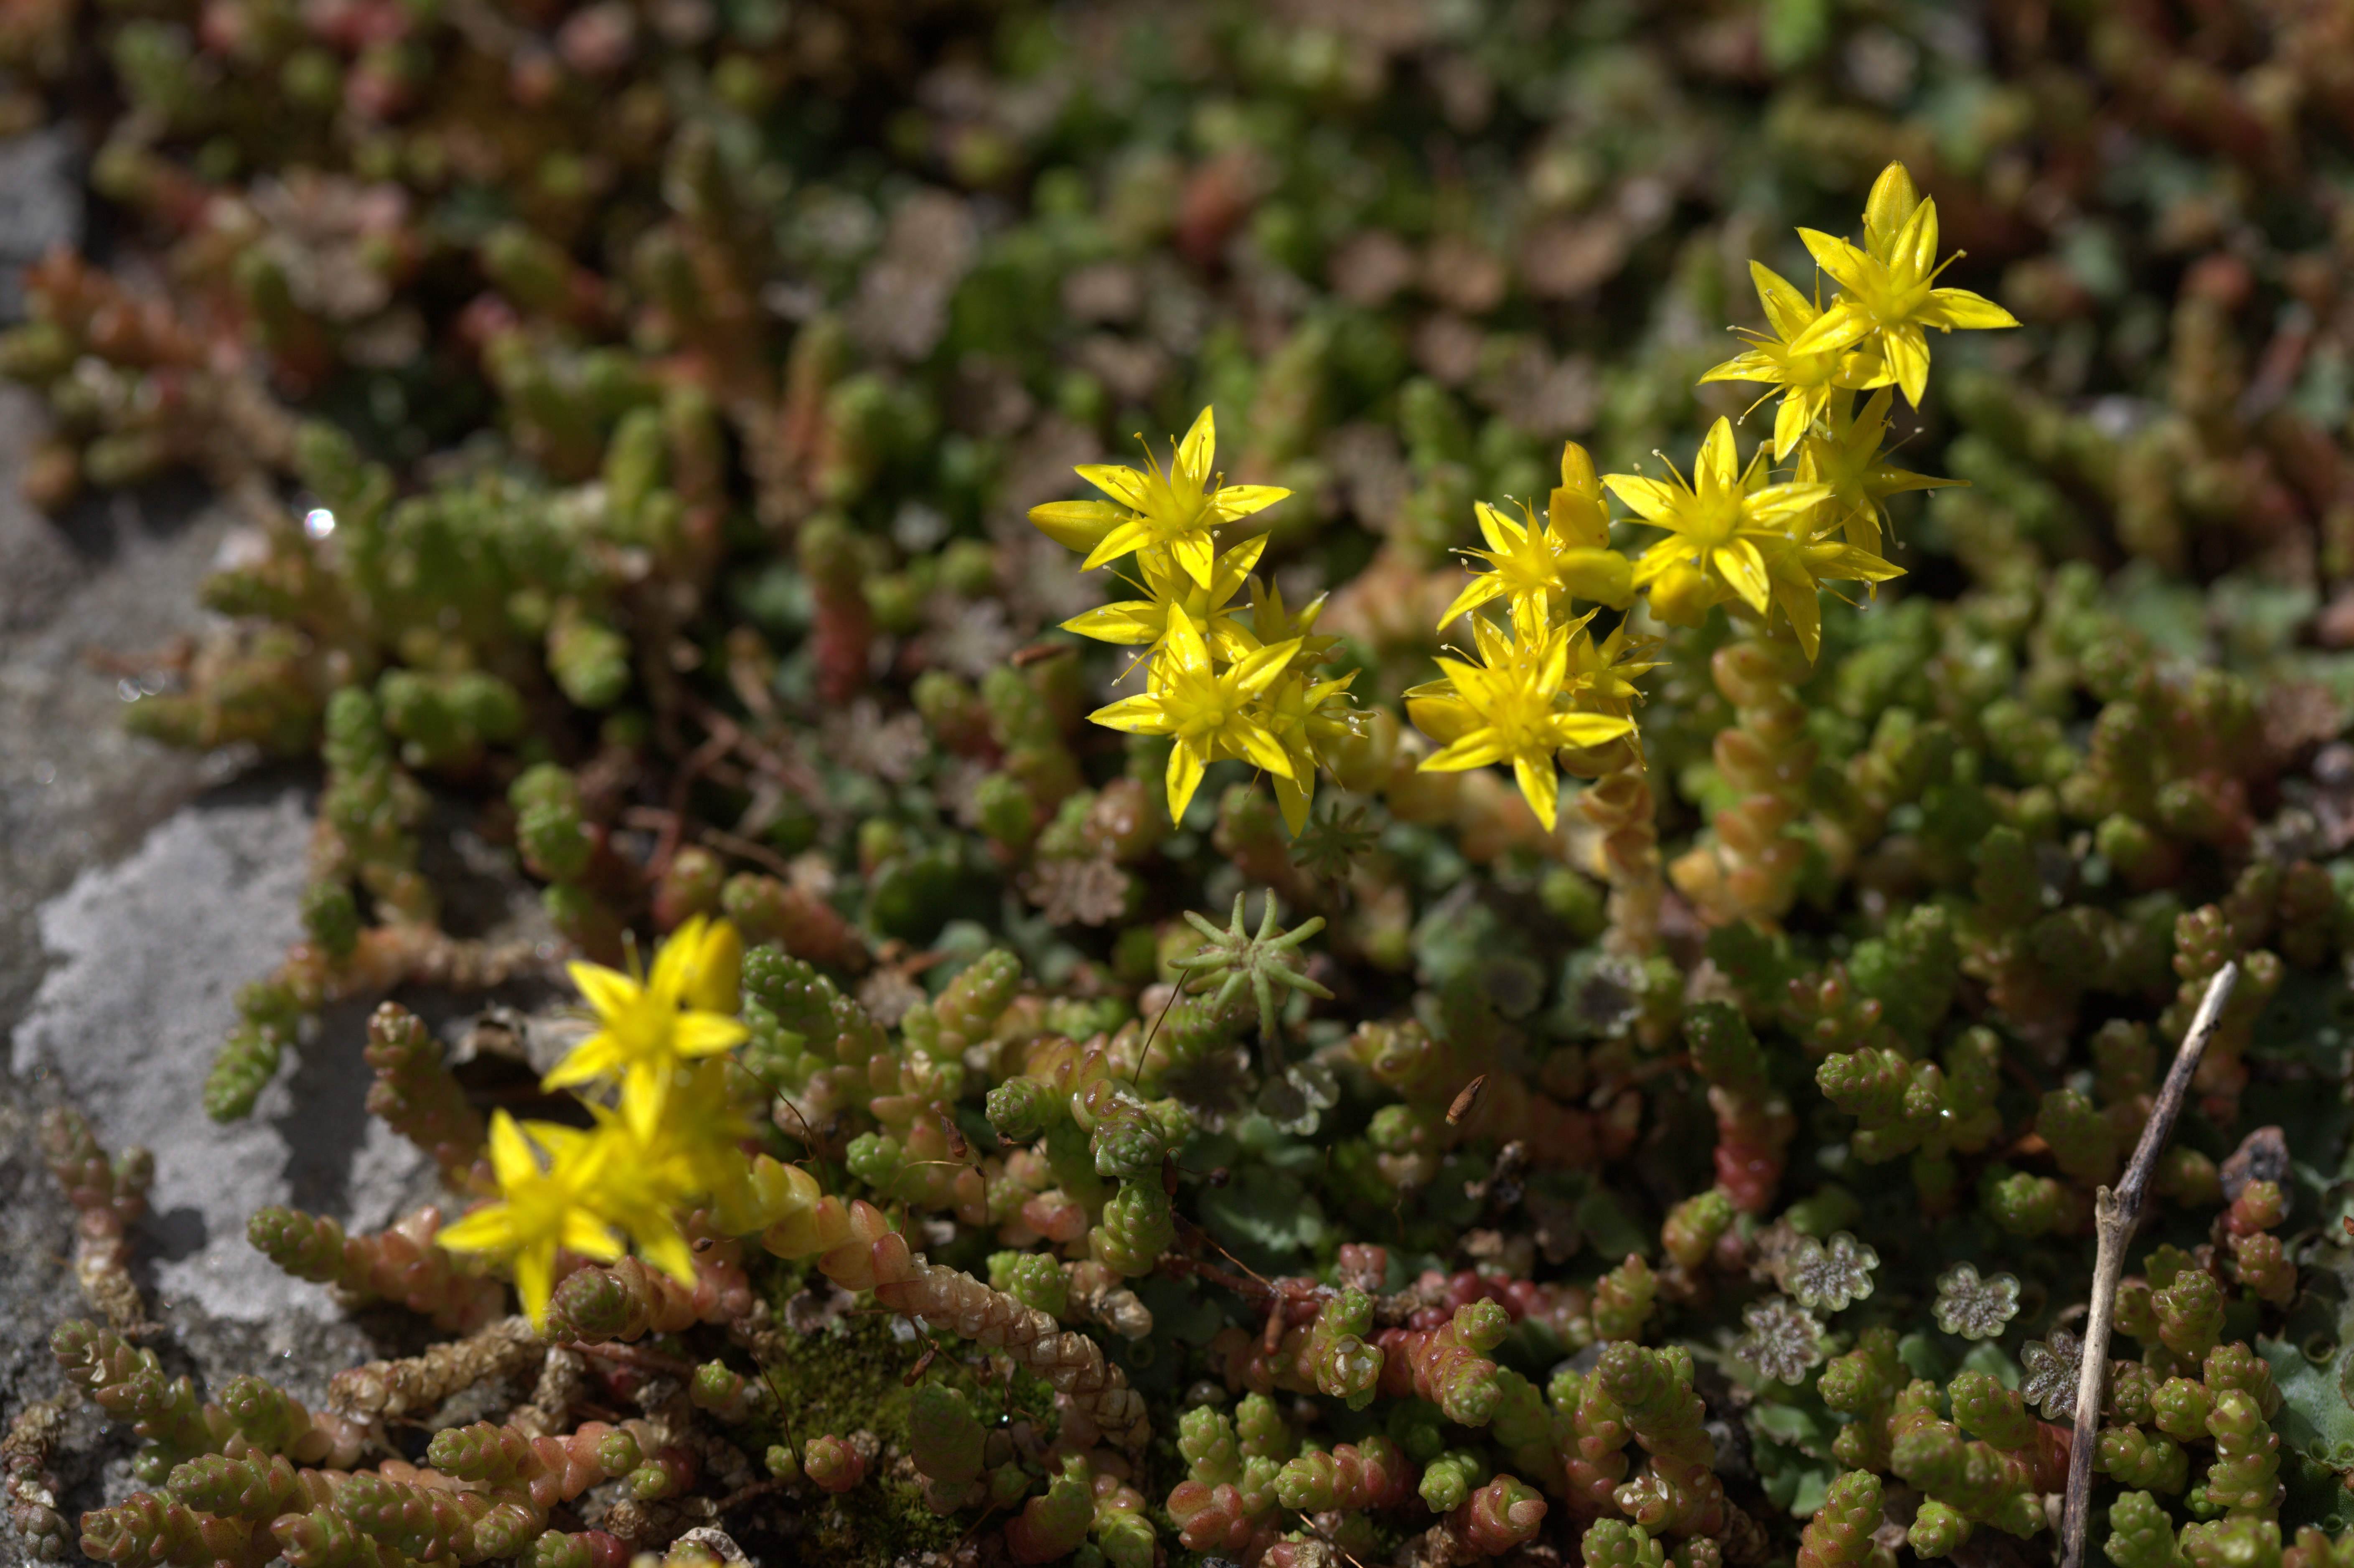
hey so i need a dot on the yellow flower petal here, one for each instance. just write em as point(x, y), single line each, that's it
point(535, 1272)
point(589, 1237)
point(1592, 729)
point(1137, 716)
point(1907, 353)
point(1294, 797)
point(1197, 554)
point(1130, 622)
point(1076, 524)
point(674, 963)
point(1118, 481)
point(707, 1034)
point(1482, 587)
point(1238, 501)
point(718, 986)
point(1185, 777)
point(487, 1229)
point(606, 991)
point(511, 1155)
point(1258, 672)
point(1718, 459)
point(1951, 308)
point(1652, 500)
point(1894, 197)
point(1843, 325)
point(1541, 787)
point(1129, 535)
point(1741, 565)
point(668, 1251)
point(1195, 452)
point(1476, 750)
point(1261, 749)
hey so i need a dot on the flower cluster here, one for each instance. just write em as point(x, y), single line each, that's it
point(729, 616)
point(668, 1137)
point(1224, 681)
point(1734, 532)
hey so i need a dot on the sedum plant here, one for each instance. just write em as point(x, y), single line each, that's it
point(1671, 1127)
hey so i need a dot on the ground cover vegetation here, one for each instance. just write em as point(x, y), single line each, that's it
point(1248, 854)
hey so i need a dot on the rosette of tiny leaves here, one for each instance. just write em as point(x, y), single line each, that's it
point(1693, 1226)
point(1938, 1530)
point(2130, 1385)
point(2180, 1406)
point(1260, 1428)
point(1862, 1384)
point(1528, 1430)
point(1984, 1408)
point(1680, 1494)
point(1371, 1474)
point(1033, 1279)
point(1784, 1341)
point(2189, 1313)
point(1839, 1535)
point(2141, 1534)
point(1622, 1299)
point(1973, 1308)
point(1827, 1275)
point(2227, 1543)
point(2244, 1477)
point(2234, 1366)
point(1450, 1478)
point(1206, 1442)
point(2023, 1204)
point(1127, 1139)
point(1345, 1366)
point(1614, 1543)
point(2315, 1549)
point(256, 1487)
point(1449, 1365)
point(1499, 1516)
point(1123, 1534)
point(1981, 1482)
point(2082, 1141)
point(2152, 1462)
point(833, 1463)
point(1138, 1225)
point(145, 1527)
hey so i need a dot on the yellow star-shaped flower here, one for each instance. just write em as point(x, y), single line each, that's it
point(1717, 523)
point(1141, 621)
point(1847, 455)
point(539, 1212)
point(680, 1013)
point(1888, 290)
point(1207, 710)
point(1807, 379)
point(1307, 718)
point(1174, 508)
point(1526, 562)
point(1516, 707)
point(1798, 568)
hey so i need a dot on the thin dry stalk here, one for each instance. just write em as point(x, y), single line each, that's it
point(2116, 1212)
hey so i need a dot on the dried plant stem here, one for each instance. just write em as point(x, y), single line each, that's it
point(2118, 1210)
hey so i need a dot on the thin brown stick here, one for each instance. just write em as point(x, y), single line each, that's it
point(2116, 1212)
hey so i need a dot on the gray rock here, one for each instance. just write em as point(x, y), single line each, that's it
point(152, 953)
point(40, 205)
point(76, 788)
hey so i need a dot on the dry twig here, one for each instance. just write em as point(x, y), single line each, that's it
point(2116, 1212)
